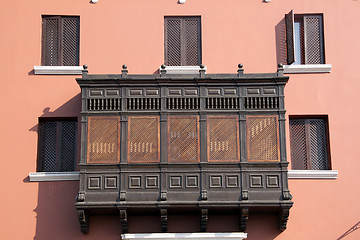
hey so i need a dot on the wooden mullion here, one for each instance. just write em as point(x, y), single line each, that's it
point(308, 144)
point(182, 42)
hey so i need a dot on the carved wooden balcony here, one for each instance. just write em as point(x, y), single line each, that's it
point(163, 143)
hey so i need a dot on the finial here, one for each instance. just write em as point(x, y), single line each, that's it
point(163, 66)
point(240, 65)
point(202, 66)
point(124, 66)
point(85, 66)
point(280, 65)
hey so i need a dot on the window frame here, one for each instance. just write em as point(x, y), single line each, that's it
point(58, 147)
point(60, 40)
point(307, 119)
point(183, 44)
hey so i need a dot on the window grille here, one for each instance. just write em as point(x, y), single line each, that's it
point(183, 135)
point(60, 45)
point(57, 145)
point(304, 39)
point(262, 138)
point(182, 41)
point(309, 145)
point(103, 140)
point(223, 139)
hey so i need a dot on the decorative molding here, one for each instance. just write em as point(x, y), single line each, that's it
point(124, 220)
point(187, 236)
point(313, 174)
point(283, 218)
point(164, 219)
point(204, 219)
point(83, 220)
point(58, 70)
point(183, 69)
point(54, 176)
point(244, 216)
point(307, 68)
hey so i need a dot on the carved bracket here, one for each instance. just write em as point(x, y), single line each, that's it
point(283, 218)
point(164, 220)
point(204, 219)
point(244, 215)
point(83, 220)
point(124, 220)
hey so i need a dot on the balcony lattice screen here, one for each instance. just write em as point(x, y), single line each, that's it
point(223, 139)
point(103, 140)
point(262, 137)
point(143, 139)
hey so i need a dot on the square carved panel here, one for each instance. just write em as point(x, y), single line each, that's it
point(134, 182)
point(152, 182)
point(94, 183)
point(256, 181)
point(110, 182)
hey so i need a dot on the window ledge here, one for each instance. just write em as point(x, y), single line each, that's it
point(187, 236)
point(53, 176)
point(183, 69)
point(314, 174)
point(72, 70)
point(308, 68)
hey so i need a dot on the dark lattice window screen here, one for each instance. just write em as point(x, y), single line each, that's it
point(262, 137)
point(57, 146)
point(60, 45)
point(313, 41)
point(289, 23)
point(182, 41)
point(183, 137)
point(308, 140)
point(143, 139)
point(103, 140)
point(223, 139)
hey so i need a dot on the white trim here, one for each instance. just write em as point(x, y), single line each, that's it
point(183, 69)
point(307, 68)
point(73, 70)
point(53, 176)
point(314, 174)
point(187, 236)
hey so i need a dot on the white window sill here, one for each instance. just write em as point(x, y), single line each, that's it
point(183, 69)
point(187, 236)
point(72, 70)
point(54, 176)
point(313, 174)
point(307, 68)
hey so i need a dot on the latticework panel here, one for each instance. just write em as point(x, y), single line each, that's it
point(143, 139)
point(223, 139)
point(68, 146)
point(48, 147)
point(183, 134)
point(51, 41)
point(318, 143)
point(173, 42)
point(103, 140)
point(313, 39)
point(192, 36)
point(262, 137)
point(298, 144)
point(70, 41)
point(289, 23)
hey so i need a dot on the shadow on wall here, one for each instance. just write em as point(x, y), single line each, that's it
point(262, 226)
point(280, 37)
point(351, 230)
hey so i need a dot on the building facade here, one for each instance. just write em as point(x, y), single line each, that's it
point(201, 117)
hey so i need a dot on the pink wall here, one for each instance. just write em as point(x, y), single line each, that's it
point(115, 32)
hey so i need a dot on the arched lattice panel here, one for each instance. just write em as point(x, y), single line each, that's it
point(183, 138)
point(143, 139)
point(262, 138)
point(103, 140)
point(223, 139)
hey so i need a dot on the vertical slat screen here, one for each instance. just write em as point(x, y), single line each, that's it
point(143, 139)
point(68, 146)
point(262, 138)
point(313, 40)
point(70, 41)
point(289, 22)
point(183, 137)
point(103, 140)
point(50, 40)
point(223, 139)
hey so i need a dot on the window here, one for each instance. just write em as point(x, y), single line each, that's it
point(182, 41)
point(57, 145)
point(309, 143)
point(304, 38)
point(60, 41)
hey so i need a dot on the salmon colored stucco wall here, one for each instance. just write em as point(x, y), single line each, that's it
point(114, 32)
